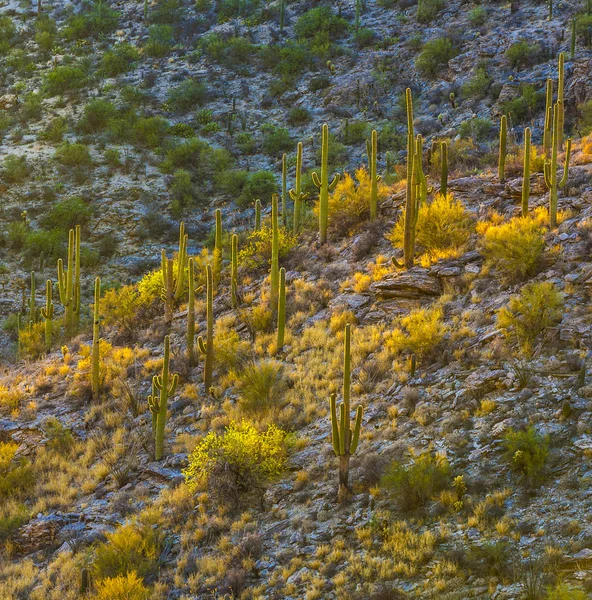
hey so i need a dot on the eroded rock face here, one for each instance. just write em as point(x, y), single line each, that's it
point(415, 283)
point(40, 534)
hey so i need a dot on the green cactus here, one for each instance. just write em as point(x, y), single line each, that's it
point(282, 14)
point(181, 262)
point(47, 313)
point(69, 282)
point(168, 293)
point(234, 272)
point(207, 347)
point(218, 246)
point(281, 311)
point(574, 23)
point(19, 326)
point(323, 184)
point(550, 9)
point(444, 169)
point(345, 439)
point(191, 358)
point(550, 167)
point(503, 148)
point(164, 385)
point(372, 151)
point(357, 21)
point(84, 581)
point(96, 360)
point(296, 193)
point(257, 214)
point(284, 190)
point(560, 100)
point(32, 304)
point(548, 129)
point(526, 172)
point(275, 252)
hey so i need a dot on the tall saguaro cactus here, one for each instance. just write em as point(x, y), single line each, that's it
point(281, 313)
point(257, 214)
point(207, 347)
point(345, 439)
point(191, 314)
point(234, 271)
point(32, 302)
point(503, 147)
point(96, 358)
point(163, 387)
point(323, 184)
point(168, 293)
point(550, 167)
point(444, 169)
point(372, 150)
point(275, 252)
point(560, 100)
point(284, 190)
point(296, 193)
point(548, 128)
point(181, 262)
point(218, 246)
point(47, 313)
point(526, 172)
point(69, 282)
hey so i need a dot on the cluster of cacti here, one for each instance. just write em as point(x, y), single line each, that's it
point(444, 168)
point(275, 252)
point(345, 439)
point(550, 167)
point(503, 149)
point(173, 288)
point(417, 190)
point(95, 357)
point(526, 172)
point(206, 346)
point(323, 184)
point(281, 310)
point(372, 150)
point(69, 283)
point(296, 193)
point(163, 387)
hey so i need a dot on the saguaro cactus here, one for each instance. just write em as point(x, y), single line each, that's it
point(275, 252)
point(444, 168)
point(32, 304)
point(181, 262)
point(234, 272)
point(207, 347)
point(550, 167)
point(96, 358)
point(503, 142)
point(282, 14)
point(281, 313)
point(372, 150)
point(296, 193)
point(284, 189)
point(257, 214)
point(548, 128)
point(345, 439)
point(574, 23)
point(560, 87)
point(168, 294)
point(218, 246)
point(323, 184)
point(47, 313)
point(164, 385)
point(69, 282)
point(191, 314)
point(526, 172)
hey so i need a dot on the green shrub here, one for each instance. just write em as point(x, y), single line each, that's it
point(526, 453)
point(522, 54)
point(119, 60)
point(198, 157)
point(55, 130)
point(73, 155)
point(428, 10)
point(246, 143)
point(528, 315)
point(477, 129)
point(564, 591)
point(122, 587)
point(134, 547)
point(31, 108)
point(585, 117)
point(187, 95)
point(524, 106)
point(166, 12)
point(261, 385)
point(443, 227)
point(355, 132)
point(476, 88)
point(66, 214)
point(515, 248)
point(298, 116)
point(229, 9)
point(478, 16)
point(338, 153)
point(16, 474)
point(98, 19)
point(13, 514)
point(15, 169)
point(416, 484)
point(320, 20)
point(182, 191)
point(237, 463)
point(7, 34)
point(319, 83)
point(417, 333)
point(149, 132)
point(260, 184)
point(233, 52)
point(63, 80)
point(434, 57)
point(276, 140)
point(365, 37)
point(160, 40)
point(96, 116)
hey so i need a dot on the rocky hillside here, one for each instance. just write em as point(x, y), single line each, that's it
point(166, 423)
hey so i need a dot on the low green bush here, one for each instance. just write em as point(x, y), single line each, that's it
point(276, 140)
point(160, 40)
point(15, 169)
point(73, 155)
point(434, 57)
point(522, 54)
point(64, 79)
point(187, 95)
point(96, 116)
point(120, 59)
point(66, 214)
point(526, 453)
point(260, 184)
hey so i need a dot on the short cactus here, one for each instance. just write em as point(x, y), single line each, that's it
point(257, 214)
point(281, 311)
point(526, 172)
point(372, 151)
point(206, 346)
point(503, 147)
point(345, 439)
point(296, 193)
point(47, 313)
point(168, 293)
point(323, 184)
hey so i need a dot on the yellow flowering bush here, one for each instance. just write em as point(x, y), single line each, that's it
point(418, 333)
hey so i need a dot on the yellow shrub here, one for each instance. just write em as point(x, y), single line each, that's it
point(257, 252)
point(32, 340)
point(122, 587)
point(349, 203)
point(514, 248)
point(443, 228)
point(418, 333)
point(10, 398)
